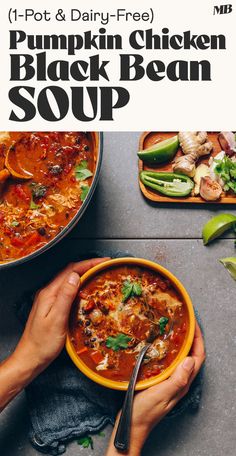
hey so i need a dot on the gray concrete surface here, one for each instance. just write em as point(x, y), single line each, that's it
point(120, 219)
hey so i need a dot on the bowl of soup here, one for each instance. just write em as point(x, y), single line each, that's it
point(123, 304)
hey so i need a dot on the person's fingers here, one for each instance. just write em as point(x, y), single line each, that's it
point(66, 295)
point(85, 265)
point(178, 382)
point(80, 268)
point(197, 351)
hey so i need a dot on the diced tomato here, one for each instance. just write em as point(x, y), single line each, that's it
point(89, 306)
point(22, 193)
point(82, 350)
point(67, 168)
point(68, 150)
point(8, 231)
point(33, 239)
point(96, 356)
point(17, 241)
point(83, 294)
point(73, 179)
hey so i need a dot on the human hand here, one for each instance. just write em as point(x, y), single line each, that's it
point(45, 332)
point(151, 405)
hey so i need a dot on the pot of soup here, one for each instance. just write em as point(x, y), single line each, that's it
point(122, 305)
point(46, 182)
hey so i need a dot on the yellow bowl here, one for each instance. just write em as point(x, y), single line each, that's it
point(143, 384)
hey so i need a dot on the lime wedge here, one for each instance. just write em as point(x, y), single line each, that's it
point(217, 226)
point(161, 152)
point(230, 265)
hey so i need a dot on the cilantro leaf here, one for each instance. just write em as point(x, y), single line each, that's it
point(82, 172)
point(33, 206)
point(83, 164)
point(130, 289)
point(118, 342)
point(126, 290)
point(137, 288)
point(85, 190)
point(162, 324)
point(86, 442)
point(15, 223)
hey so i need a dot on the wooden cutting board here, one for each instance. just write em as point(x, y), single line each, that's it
point(149, 138)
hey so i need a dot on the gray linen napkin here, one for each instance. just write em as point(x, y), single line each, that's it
point(64, 404)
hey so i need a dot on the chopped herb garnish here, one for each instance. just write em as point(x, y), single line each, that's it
point(162, 324)
point(118, 342)
point(85, 190)
point(15, 223)
point(226, 169)
point(38, 190)
point(82, 172)
point(130, 289)
point(86, 442)
point(33, 206)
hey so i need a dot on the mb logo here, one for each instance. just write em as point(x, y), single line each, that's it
point(223, 9)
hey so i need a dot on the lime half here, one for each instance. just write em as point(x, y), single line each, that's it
point(217, 226)
point(230, 265)
point(161, 152)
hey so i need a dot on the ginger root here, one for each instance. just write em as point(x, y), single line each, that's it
point(186, 164)
point(194, 144)
point(195, 141)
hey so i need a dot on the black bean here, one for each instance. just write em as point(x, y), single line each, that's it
point(87, 332)
point(104, 310)
point(86, 343)
point(86, 147)
point(42, 231)
point(55, 169)
point(93, 339)
point(87, 322)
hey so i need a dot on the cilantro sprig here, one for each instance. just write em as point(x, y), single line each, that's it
point(82, 172)
point(130, 289)
point(118, 342)
point(86, 442)
point(226, 169)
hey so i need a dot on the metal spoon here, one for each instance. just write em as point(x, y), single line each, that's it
point(122, 437)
